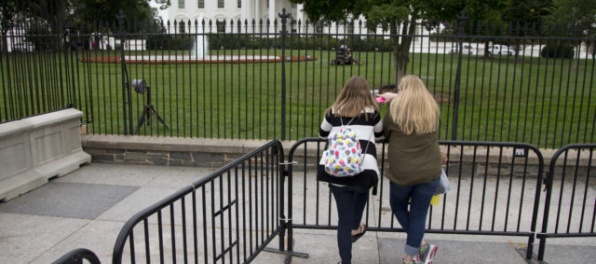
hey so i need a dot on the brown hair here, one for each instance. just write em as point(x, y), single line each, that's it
point(354, 98)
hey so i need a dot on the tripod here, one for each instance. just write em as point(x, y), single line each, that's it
point(148, 112)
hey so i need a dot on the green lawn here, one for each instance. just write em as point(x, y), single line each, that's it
point(547, 103)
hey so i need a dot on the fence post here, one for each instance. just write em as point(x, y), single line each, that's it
point(126, 93)
point(461, 22)
point(69, 75)
point(284, 32)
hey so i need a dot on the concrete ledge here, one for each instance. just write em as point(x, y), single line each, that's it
point(163, 143)
point(216, 153)
point(38, 148)
point(21, 183)
point(168, 151)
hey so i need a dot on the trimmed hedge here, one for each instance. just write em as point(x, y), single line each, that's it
point(169, 42)
point(557, 51)
point(246, 41)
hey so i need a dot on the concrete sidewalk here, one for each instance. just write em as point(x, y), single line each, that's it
point(88, 207)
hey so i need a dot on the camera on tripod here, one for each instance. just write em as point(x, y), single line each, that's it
point(139, 85)
point(149, 111)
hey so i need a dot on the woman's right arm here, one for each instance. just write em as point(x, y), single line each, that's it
point(325, 128)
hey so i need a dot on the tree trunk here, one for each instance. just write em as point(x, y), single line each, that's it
point(401, 42)
point(4, 42)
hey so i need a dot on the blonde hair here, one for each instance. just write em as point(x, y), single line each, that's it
point(354, 98)
point(414, 109)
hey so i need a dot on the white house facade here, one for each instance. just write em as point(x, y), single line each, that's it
point(216, 11)
point(227, 10)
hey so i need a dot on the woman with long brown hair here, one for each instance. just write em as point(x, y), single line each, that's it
point(355, 108)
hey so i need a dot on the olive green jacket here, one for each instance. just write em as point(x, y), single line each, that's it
point(413, 159)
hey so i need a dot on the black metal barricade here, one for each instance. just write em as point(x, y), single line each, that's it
point(234, 213)
point(226, 217)
point(570, 209)
point(76, 256)
point(494, 185)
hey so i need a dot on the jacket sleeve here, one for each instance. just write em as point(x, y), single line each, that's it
point(378, 128)
point(387, 125)
point(325, 128)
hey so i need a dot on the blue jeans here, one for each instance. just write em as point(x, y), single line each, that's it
point(350, 201)
point(413, 221)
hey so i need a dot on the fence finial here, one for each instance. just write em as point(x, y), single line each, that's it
point(284, 20)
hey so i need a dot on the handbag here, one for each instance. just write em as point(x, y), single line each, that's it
point(444, 184)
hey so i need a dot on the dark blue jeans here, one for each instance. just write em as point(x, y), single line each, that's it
point(350, 201)
point(412, 219)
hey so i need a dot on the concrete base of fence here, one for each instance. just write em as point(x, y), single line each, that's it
point(36, 149)
point(216, 153)
point(168, 151)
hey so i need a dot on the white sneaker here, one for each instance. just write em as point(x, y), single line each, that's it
point(431, 254)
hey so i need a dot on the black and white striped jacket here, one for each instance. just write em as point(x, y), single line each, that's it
point(368, 127)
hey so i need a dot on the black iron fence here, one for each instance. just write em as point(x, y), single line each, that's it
point(236, 212)
point(273, 79)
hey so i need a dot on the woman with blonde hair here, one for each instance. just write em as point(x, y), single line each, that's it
point(414, 162)
point(355, 108)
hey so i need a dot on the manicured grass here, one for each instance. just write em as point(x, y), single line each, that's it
point(540, 101)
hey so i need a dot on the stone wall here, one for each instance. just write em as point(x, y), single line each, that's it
point(216, 153)
point(167, 151)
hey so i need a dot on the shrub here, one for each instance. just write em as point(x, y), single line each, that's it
point(557, 51)
point(244, 41)
point(169, 42)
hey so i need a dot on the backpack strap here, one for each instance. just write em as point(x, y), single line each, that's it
point(342, 122)
point(365, 149)
point(341, 119)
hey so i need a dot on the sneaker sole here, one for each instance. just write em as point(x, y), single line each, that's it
point(431, 254)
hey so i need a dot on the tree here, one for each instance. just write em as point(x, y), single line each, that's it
point(107, 10)
point(401, 17)
point(56, 14)
point(521, 18)
point(8, 13)
point(576, 18)
point(527, 11)
point(24, 15)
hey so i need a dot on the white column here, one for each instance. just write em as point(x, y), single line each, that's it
point(272, 15)
point(299, 13)
point(256, 10)
point(301, 17)
point(245, 11)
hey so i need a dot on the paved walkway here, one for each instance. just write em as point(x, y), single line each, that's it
point(87, 208)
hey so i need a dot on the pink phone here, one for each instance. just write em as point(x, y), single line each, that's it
point(381, 99)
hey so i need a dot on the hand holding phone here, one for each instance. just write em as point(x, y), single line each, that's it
point(381, 100)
